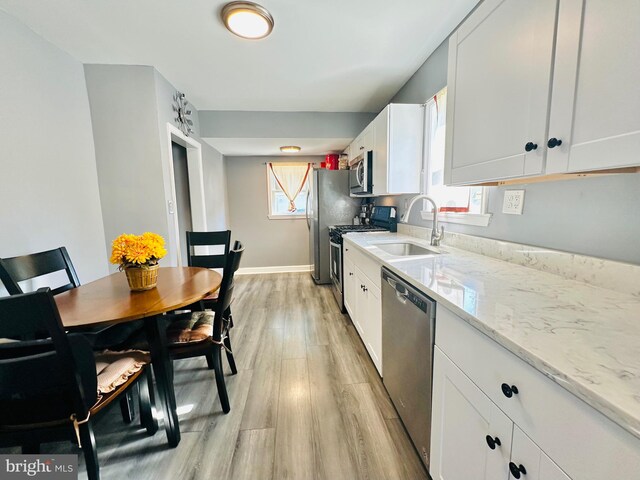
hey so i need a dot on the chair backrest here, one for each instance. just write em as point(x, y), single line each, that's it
point(42, 380)
point(225, 294)
point(209, 239)
point(26, 267)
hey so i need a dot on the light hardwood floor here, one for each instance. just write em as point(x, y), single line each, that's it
point(307, 402)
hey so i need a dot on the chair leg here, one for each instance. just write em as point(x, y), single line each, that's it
point(147, 403)
point(220, 383)
point(88, 440)
point(229, 352)
point(31, 449)
point(210, 361)
point(127, 407)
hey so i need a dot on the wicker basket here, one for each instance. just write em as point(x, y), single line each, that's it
point(142, 278)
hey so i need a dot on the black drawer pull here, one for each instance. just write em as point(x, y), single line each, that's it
point(530, 146)
point(493, 442)
point(516, 470)
point(509, 390)
point(554, 142)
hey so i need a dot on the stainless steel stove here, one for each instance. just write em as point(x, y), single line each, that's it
point(383, 219)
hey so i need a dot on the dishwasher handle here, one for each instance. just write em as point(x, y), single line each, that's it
point(405, 292)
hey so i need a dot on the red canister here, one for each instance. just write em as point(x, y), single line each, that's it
point(332, 161)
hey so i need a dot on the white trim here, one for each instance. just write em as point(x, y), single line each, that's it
point(196, 183)
point(287, 217)
point(280, 269)
point(476, 219)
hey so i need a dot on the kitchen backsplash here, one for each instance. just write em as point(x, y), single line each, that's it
point(617, 276)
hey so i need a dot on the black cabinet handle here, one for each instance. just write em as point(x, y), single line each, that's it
point(351, 274)
point(517, 470)
point(493, 442)
point(365, 289)
point(554, 142)
point(530, 146)
point(346, 249)
point(509, 390)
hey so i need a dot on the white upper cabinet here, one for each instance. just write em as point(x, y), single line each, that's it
point(499, 80)
point(543, 87)
point(595, 106)
point(398, 133)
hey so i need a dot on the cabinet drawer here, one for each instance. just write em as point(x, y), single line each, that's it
point(367, 265)
point(585, 444)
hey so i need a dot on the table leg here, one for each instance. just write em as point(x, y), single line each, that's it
point(163, 370)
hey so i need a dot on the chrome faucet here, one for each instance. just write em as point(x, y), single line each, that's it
point(436, 234)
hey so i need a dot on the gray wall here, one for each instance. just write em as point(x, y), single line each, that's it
point(125, 130)
point(131, 106)
point(268, 242)
point(593, 216)
point(233, 124)
point(49, 195)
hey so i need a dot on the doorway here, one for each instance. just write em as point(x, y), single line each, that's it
point(183, 197)
point(187, 207)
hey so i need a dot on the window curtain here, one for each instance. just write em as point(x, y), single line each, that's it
point(291, 179)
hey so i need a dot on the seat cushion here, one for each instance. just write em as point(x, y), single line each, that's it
point(114, 368)
point(196, 327)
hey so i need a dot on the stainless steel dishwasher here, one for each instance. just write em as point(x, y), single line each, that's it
point(408, 321)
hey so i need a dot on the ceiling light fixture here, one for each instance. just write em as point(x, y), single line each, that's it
point(290, 149)
point(247, 20)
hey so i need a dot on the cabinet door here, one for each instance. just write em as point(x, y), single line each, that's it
point(360, 317)
point(528, 457)
point(373, 333)
point(550, 471)
point(463, 417)
point(349, 275)
point(596, 87)
point(499, 82)
point(380, 151)
point(367, 138)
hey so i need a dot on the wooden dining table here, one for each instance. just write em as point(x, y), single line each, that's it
point(109, 301)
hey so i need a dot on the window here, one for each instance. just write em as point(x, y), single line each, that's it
point(288, 185)
point(455, 204)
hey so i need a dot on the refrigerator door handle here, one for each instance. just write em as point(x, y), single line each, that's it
point(306, 211)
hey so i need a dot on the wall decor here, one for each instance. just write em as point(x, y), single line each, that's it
point(180, 105)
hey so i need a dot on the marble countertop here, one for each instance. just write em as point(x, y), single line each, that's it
point(584, 338)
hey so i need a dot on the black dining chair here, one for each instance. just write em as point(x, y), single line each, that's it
point(49, 387)
point(15, 270)
point(206, 333)
point(220, 240)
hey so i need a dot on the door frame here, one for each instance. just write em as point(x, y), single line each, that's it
point(196, 184)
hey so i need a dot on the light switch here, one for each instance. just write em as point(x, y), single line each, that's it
point(513, 202)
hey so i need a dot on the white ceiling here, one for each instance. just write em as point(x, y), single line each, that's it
point(323, 55)
point(271, 146)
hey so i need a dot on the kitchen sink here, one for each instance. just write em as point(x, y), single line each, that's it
point(405, 249)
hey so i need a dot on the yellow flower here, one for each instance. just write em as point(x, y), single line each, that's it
point(145, 249)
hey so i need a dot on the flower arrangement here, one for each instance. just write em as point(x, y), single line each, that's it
point(137, 251)
point(138, 256)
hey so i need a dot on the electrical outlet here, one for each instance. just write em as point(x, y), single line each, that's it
point(513, 202)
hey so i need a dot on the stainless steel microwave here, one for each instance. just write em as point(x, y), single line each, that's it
point(361, 174)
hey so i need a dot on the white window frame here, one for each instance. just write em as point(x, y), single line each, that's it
point(284, 216)
point(476, 219)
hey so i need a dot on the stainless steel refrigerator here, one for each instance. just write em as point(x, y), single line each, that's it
point(328, 203)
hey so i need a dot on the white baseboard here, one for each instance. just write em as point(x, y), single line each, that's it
point(279, 269)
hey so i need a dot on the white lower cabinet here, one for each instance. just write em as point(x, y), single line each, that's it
point(470, 436)
point(480, 388)
point(349, 284)
point(472, 439)
point(368, 317)
point(362, 300)
point(529, 462)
